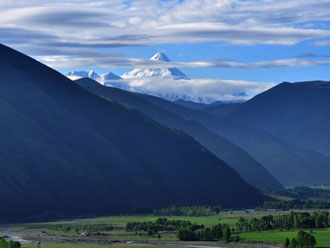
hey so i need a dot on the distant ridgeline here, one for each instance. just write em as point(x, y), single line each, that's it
point(303, 192)
point(188, 211)
point(299, 198)
point(296, 204)
point(215, 210)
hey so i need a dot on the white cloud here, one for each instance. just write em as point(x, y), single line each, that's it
point(197, 90)
point(322, 43)
point(106, 61)
point(99, 23)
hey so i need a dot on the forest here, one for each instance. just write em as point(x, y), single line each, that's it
point(293, 220)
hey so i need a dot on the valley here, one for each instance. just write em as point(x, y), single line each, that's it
point(262, 227)
point(145, 161)
point(92, 232)
point(164, 124)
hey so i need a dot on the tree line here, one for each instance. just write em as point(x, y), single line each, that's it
point(215, 233)
point(296, 204)
point(294, 220)
point(302, 192)
point(161, 224)
point(188, 211)
point(81, 228)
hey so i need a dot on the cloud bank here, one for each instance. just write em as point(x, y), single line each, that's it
point(105, 61)
point(84, 24)
point(196, 90)
point(78, 33)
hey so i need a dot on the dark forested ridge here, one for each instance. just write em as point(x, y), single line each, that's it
point(199, 106)
point(65, 150)
point(238, 159)
point(296, 112)
point(290, 163)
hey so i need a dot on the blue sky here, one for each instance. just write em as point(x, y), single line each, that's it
point(241, 53)
point(216, 41)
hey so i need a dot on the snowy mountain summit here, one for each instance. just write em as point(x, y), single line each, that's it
point(160, 57)
point(166, 73)
point(101, 78)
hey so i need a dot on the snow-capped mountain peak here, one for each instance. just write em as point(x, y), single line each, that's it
point(168, 73)
point(168, 83)
point(110, 76)
point(160, 57)
point(93, 75)
point(101, 78)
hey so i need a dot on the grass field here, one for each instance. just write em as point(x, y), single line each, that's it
point(151, 245)
point(52, 238)
point(227, 217)
point(322, 236)
point(48, 245)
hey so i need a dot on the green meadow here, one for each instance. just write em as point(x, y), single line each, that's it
point(275, 236)
point(52, 236)
point(227, 217)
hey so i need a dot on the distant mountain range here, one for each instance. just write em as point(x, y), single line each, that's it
point(66, 151)
point(239, 160)
point(198, 106)
point(101, 78)
point(165, 73)
point(280, 137)
point(146, 79)
point(291, 164)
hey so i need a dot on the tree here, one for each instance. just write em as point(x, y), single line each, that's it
point(207, 234)
point(311, 241)
point(188, 235)
point(226, 233)
point(306, 239)
point(217, 231)
point(9, 244)
point(293, 243)
point(151, 232)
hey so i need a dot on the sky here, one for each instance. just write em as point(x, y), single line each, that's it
point(225, 46)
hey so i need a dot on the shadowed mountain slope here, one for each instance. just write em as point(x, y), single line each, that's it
point(296, 112)
point(66, 150)
point(244, 164)
point(291, 164)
